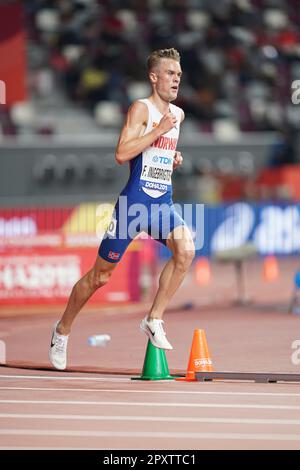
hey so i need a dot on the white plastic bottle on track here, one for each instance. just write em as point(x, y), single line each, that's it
point(99, 340)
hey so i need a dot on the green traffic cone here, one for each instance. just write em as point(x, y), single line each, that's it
point(155, 365)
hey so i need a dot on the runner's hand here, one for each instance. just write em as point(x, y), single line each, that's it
point(178, 159)
point(167, 122)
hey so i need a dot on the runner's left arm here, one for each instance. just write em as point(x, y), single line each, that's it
point(178, 158)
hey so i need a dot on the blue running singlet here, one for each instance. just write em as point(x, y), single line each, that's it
point(145, 204)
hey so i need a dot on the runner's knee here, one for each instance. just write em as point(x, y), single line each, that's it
point(99, 278)
point(184, 257)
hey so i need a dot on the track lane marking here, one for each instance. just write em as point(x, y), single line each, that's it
point(165, 419)
point(168, 392)
point(65, 377)
point(152, 435)
point(153, 404)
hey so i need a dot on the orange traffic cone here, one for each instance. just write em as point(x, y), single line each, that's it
point(270, 269)
point(200, 360)
point(202, 271)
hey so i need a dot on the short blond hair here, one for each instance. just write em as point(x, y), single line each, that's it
point(155, 56)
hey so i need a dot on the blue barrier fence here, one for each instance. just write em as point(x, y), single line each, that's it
point(273, 228)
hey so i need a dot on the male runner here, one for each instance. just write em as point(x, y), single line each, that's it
point(148, 142)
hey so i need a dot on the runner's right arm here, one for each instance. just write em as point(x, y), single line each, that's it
point(132, 141)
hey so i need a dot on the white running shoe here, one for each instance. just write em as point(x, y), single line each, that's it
point(154, 330)
point(58, 349)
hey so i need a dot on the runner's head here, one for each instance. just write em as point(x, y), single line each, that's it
point(165, 72)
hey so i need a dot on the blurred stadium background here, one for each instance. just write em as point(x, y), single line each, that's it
point(68, 72)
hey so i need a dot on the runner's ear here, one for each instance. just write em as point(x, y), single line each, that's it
point(153, 77)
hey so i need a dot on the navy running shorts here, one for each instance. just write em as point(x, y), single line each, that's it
point(157, 217)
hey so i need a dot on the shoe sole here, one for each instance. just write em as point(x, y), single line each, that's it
point(150, 336)
point(56, 367)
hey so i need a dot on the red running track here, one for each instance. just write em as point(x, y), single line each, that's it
point(95, 405)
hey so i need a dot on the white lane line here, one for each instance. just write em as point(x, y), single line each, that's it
point(64, 448)
point(152, 435)
point(153, 404)
point(56, 377)
point(168, 392)
point(164, 419)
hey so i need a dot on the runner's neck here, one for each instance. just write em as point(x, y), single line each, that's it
point(162, 106)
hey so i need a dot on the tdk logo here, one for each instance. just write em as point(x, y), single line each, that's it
point(163, 160)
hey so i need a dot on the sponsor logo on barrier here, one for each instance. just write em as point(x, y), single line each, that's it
point(44, 275)
point(17, 226)
point(277, 231)
point(38, 276)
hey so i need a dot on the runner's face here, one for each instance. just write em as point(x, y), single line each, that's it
point(168, 76)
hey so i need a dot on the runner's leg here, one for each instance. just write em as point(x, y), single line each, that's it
point(181, 244)
point(97, 277)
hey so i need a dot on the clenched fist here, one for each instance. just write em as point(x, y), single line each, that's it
point(167, 122)
point(178, 159)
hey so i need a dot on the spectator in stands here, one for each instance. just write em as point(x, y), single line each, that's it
point(240, 56)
